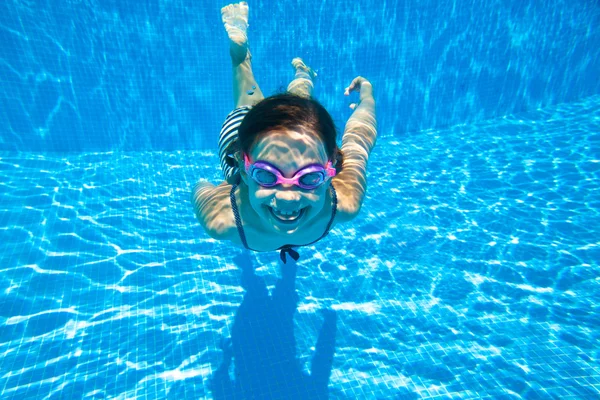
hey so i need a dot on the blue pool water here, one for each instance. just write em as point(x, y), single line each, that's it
point(471, 272)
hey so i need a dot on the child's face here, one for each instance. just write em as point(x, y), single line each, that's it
point(288, 151)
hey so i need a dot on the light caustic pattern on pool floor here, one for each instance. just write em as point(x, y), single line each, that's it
point(471, 272)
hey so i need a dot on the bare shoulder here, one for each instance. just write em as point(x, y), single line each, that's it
point(213, 209)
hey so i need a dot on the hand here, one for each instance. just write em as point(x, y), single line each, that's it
point(363, 86)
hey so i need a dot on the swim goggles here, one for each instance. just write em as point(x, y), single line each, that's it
point(267, 175)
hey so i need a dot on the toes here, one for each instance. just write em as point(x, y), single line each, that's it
point(297, 62)
point(225, 9)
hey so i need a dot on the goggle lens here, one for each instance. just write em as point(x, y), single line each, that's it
point(264, 177)
point(313, 179)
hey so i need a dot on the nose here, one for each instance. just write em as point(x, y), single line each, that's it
point(287, 194)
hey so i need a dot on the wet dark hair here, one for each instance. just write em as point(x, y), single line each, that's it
point(286, 110)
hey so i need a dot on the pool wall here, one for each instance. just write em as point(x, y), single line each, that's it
point(90, 75)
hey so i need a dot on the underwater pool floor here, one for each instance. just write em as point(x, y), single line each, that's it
point(471, 272)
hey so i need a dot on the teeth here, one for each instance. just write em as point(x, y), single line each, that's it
point(286, 215)
point(287, 212)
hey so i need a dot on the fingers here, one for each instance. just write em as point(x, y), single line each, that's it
point(357, 84)
point(347, 90)
point(354, 85)
point(350, 88)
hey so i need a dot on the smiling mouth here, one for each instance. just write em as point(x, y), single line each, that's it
point(287, 218)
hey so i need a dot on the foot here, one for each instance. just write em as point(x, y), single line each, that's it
point(235, 19)
point(299, 65)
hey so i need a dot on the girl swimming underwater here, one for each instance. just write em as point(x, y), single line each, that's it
point(286, 181)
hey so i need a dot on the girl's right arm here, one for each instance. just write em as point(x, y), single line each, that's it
point(209, 202)
point(201, 196)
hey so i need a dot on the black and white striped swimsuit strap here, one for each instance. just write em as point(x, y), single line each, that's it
point(228, 136)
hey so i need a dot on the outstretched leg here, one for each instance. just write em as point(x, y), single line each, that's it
point(302, 85)
point(245, 89)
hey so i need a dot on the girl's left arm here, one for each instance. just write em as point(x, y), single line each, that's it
point(360, 135)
